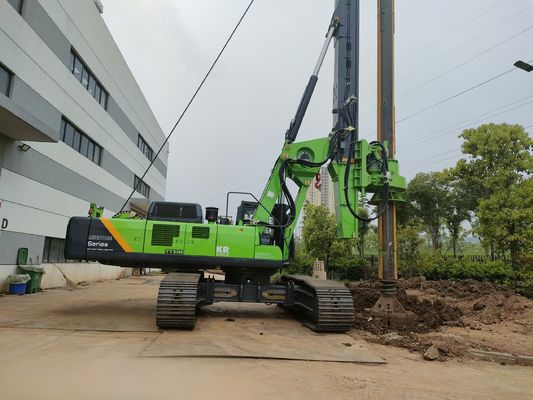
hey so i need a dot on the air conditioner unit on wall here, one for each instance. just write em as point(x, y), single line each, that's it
point(99, 5)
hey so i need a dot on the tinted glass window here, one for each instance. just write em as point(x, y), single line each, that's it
point(97, 153)
point(5, 81)
point(141, 187)
point(72, 62)
point(54, 250)
point(90, 152)
point(17, 5)
point(144, 147)
point(97, 93)
point(69, 135)
point(80, 142)
point(62, 129)
point(92, 86)
point(85, 78)
point(77, 141)
point(103, 99)
point(78, 68)
point(84, 145)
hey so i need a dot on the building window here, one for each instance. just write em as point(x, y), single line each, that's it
point(143, 146)
point(80, 142)
point(142, 187)
point(17, 5)
point(83, 74)
point(54, 250)
point(5, 80)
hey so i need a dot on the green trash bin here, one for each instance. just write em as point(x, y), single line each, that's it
point(36, 273)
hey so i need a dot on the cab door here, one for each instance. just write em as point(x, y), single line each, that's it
point(200, 240)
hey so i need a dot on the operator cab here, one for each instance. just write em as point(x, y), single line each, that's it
point(245, 212)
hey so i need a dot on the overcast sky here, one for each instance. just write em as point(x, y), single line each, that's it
point(234, 131)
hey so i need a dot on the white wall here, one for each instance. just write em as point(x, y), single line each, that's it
point(83, 272)
point(37, 209)
point(24, 52)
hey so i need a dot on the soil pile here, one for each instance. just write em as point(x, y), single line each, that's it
point(452, 317)
point(480, 302)
point(429, 313)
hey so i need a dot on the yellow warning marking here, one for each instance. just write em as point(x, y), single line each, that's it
point(116, 234)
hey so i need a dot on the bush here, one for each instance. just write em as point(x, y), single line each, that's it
point(352, 269)
point(492, 271)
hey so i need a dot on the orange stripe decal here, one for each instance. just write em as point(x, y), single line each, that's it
point(116, 235)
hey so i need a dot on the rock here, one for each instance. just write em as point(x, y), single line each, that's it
point(479, 306)
point(432, 353)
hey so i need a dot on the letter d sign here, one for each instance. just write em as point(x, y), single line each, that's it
point(5, 222)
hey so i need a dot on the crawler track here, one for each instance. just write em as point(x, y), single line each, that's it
point(324, 306)
point(177, 300)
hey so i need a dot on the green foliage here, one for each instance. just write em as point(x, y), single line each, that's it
point(363, 230)
point(436, 268)
point(409, 247)
point(426, 197)
point(506, 219)
point(302, 263)
point(319, 232)
point(349, 268)
point(499, 156)
point(495, 181)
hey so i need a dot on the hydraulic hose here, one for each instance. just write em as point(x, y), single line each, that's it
point(282, 177)
point(384, 170)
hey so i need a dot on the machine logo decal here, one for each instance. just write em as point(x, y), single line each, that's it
point(223, 250)
point(116, 235)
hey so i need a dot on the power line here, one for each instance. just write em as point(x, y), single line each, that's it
point(191, 100)
point(455, 96)
point(432, 157)
point(488, 114)
point(431, 163)
point(465, 43)
point(469, 22)
point(464, 63)
point(454, 68)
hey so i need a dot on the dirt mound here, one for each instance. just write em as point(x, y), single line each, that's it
point(479, 302)
point(451, 316)
point(429, 313)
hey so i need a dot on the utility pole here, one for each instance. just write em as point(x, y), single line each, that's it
point(387, 308)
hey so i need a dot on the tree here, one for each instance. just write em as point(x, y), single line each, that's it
point(506, 218)
point(409, 242)
point(499, 156)
point(319, 232)
point(363, 230)
point(494, 180)
point(455, 207)
point(426, 197)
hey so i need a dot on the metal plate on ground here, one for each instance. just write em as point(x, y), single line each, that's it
point(257, 331)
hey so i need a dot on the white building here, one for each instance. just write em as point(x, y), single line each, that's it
point(324, 195)
point(74, 128)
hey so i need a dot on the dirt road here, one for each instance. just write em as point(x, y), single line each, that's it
point(101, 342)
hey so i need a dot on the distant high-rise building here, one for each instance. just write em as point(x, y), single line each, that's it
point(324, 195)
